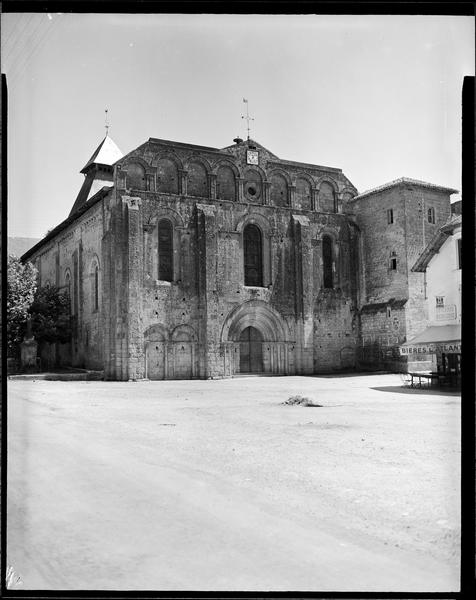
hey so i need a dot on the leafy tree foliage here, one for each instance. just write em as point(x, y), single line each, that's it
point(50, 315)
point(21, 288)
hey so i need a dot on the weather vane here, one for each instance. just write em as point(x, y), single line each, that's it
point(107, 122)
point(248, 118)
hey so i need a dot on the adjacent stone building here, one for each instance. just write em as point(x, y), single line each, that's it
point(185, 261)
point(397, 220)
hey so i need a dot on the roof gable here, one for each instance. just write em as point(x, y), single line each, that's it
point(249, 143)
point(440, 237)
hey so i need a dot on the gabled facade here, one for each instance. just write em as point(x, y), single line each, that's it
point(196, 262)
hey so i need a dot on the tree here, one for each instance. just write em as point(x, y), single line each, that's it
point(21, 288)
point(50, 315)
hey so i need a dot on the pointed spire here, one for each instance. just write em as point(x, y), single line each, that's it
point(97, 171)
point(107, 153)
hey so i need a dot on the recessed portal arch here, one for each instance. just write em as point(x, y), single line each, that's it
point(255, 338)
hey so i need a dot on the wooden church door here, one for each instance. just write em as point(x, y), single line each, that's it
point(251, 351)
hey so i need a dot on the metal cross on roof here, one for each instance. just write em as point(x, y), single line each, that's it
point(247, 118)
point(107, 123)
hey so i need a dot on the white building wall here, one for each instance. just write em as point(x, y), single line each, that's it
point(443, 277)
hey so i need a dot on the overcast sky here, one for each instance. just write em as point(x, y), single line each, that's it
point(377, 96)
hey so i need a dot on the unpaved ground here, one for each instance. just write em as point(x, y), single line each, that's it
point(215, 485)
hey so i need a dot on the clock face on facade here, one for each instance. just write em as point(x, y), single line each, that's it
point(252, 157)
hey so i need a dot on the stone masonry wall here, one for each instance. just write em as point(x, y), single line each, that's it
point(185, 327)
point(404, 240)
point(380, 241)
point(55, 261)
point(382, 332)
point(419, 233)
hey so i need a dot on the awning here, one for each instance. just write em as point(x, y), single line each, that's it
point(442, 338)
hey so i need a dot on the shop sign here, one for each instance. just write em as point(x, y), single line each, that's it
point(446, 313)
point(433, 348)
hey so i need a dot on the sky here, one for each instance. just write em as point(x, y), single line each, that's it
point(376, 96)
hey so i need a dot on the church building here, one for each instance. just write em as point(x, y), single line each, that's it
point(184, 261)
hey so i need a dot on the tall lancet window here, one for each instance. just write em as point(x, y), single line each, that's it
point(166, 250)
point(253, 253)
point(67, 284)
point(327, 262)
point(75, 283)
point(96, 287)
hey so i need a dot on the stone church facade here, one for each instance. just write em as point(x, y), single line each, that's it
point(185, 261)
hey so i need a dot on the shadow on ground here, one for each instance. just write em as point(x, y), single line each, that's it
point(409, 390)
point(342, 374)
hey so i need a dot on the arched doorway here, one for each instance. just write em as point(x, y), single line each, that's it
point(251, 351)
point(155, 338)
point(156, 360)
point(256, 339)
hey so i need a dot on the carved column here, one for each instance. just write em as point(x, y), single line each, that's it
point(338, 200)
point(241, 183)
point(291, 195)
point(150, 182)
point(212, 186)
point(183, 182)
point(314, 199)
point(267, 192)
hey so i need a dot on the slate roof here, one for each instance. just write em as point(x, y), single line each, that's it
point(436, 243)
point(404, 181)
point(70, 219)
point(155, 140)
point(107, 153)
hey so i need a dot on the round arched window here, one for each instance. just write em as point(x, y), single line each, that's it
point(327, 262)
point(253, 252)
point(166, 250)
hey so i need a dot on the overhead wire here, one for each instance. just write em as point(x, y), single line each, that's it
point(21, 48)
point(39, 35)
point(34, 38)
point(17, 26)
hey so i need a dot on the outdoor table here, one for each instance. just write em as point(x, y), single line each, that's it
point(429, 377)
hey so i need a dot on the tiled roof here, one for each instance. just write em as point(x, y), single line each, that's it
point(437, 334)
point(382, 306)
point(404, 181)
point(453, 221)
point(107, 153)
